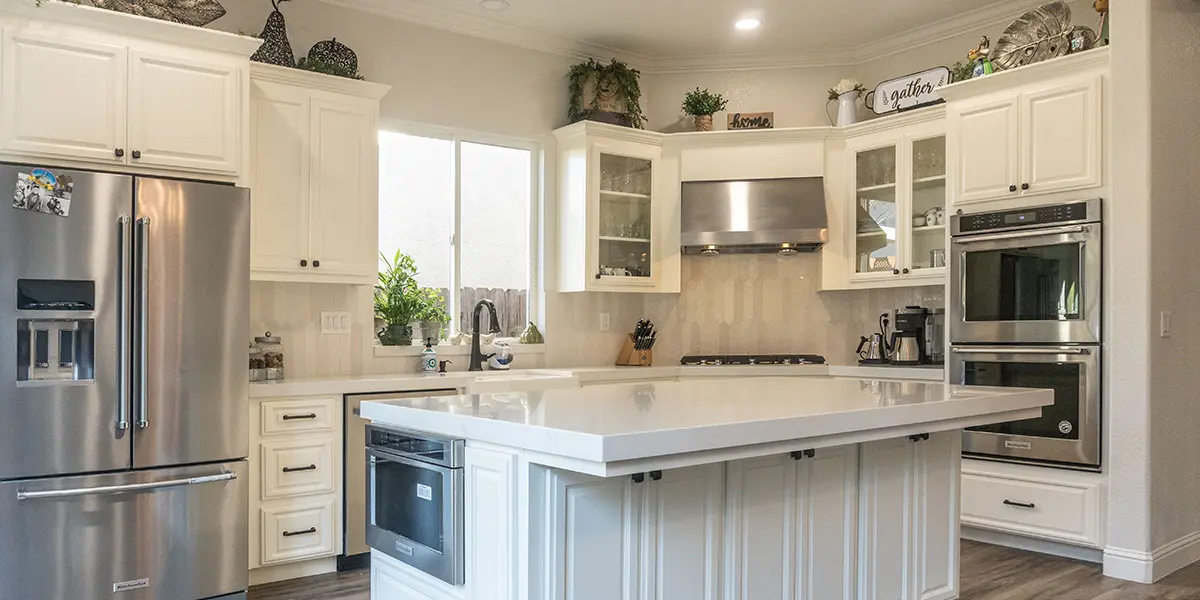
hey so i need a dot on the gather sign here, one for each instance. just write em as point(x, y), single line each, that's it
point(758, 120)
point(910, 91)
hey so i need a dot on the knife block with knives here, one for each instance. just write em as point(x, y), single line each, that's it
point(638, 348)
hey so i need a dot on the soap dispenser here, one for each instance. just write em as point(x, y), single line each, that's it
point(429, 361)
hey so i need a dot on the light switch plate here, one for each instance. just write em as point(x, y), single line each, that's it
point(335, 322)
point(605, 321)
point(1164, 325)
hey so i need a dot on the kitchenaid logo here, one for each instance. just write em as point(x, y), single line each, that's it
point(1018, 445)
point(136, 584)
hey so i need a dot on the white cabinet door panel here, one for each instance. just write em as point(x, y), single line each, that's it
point(342, 227)
point(938, 471)
point(886, 485)
point(64, 97)
point(826, 518)
point(184, 113)
point(491, 519)
point(593, 527)
point(279, 164)
point(1063, 149)
point(761, 500)
point(682, 528)
point(985, 150)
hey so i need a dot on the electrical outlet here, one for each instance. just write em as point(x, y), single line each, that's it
point(605, 321)
point(335, 322)
point(1164, 324)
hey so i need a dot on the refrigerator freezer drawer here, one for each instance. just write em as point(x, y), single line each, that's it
point(165, 534)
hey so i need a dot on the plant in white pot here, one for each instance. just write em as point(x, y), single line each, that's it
point(702, 105)
point(846, 92)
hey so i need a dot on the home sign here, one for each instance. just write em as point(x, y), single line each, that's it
point(910, 91)
point(759, 120)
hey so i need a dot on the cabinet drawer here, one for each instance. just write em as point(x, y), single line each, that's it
point(288, 416)
point(295, 468)
point(1065, 512)
point(297, 532)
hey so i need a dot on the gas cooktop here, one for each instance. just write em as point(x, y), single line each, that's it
point(716, 360)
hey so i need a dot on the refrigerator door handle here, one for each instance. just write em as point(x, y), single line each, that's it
point(132, 487)
point(123, 396)
point(143, 268)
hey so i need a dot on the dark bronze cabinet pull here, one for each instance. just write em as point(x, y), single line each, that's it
point(1019, 504)
point(1024, 186)
point(297, 469)
point(305, 532)
point(656, 475)
point(317, 264)
point(1012, 188)
point(119, 152)
point(137, 154)
point(639, 477)
point(299, 417)
point(303, 263)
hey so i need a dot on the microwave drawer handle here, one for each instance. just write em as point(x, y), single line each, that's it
point(1075, 351)
point(1021, 234)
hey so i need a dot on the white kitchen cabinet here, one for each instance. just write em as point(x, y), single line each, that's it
point(492, 517)
point(791, 527)
point(907, 553)
point(1032, 501)
point(1040, 133)
point(618, 211)
point(185, 113)
point(681, 533)
point(393, 580)
point(593, 529)
point(314, 174)
point(899, 175)
point(107, 97)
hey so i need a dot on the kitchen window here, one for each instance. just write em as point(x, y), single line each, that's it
point(464, 206)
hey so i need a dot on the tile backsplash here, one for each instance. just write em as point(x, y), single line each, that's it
point(765, 303)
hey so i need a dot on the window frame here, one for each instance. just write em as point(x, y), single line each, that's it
point(536, 194)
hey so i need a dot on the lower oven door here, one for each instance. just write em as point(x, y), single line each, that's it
point(415, 513)
point(1067, 433)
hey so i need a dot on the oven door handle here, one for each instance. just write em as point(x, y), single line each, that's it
point(993, 350)
point(374, 454)
point(974, 239)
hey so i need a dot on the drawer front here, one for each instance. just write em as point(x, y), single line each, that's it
point(1060, 512)
point(289, 416)
point(297, 532)
point(297, 467)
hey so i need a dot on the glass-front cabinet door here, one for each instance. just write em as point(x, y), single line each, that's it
point(877, 209)
point(626, 219)
point(928, 203)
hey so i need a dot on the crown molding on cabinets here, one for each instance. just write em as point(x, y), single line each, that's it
point(748, 136)
point(892, 121)
point(318, 81)
point(444, 19)
point(1097, 58)
point(145, 28)
point(610, 132)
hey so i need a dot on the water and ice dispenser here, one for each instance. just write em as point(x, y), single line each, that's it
point(59, 346)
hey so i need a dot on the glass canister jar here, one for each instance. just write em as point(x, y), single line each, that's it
point(258, 364)
point(272, 352)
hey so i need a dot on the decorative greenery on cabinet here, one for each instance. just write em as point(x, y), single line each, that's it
point(614, 90)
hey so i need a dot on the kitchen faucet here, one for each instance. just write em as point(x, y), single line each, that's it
point(477, 356)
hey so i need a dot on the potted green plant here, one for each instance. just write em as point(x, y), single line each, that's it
point(702, 105)
point(606, 92)
point(398, 299)
point(433, 315)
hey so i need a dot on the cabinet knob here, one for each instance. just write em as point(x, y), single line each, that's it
point(137, 154)
point(597, 276)
point(119, 152)
point(895, 271)
point(639, 477)
point(317, 263)
point(304, 263)
point(906, 271)
point(1024, 186)
point(656, 475)
point(1012, 188)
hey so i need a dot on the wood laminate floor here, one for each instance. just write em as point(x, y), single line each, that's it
point(987, 573)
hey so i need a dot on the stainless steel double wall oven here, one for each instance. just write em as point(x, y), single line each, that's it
point(1025, 311)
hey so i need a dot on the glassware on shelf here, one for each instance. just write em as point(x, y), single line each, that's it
point(610, 225)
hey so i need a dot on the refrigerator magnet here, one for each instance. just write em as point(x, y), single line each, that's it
point(42, 191)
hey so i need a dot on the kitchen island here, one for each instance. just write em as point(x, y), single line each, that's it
point(738, 488)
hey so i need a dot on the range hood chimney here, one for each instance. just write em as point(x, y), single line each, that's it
point(785, 216)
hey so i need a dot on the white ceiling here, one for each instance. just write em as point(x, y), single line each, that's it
point(690, 34)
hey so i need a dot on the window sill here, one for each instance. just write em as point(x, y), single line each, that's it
point(448, 350)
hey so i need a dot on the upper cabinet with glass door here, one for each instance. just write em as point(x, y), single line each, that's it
point(897, 220)
point(617, 212)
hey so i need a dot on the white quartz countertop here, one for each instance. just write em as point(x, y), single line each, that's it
point(524, 379)
point(632, 421)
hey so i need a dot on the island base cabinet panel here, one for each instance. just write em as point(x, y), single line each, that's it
point(938, 472)
point(492, 520)
point(826, 524)
point(391, 580)
point(681, 534)
point(591, 528)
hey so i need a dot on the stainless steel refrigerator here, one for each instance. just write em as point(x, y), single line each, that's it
point(124, 319)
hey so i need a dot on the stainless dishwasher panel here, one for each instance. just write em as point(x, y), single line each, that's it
point(354, 469)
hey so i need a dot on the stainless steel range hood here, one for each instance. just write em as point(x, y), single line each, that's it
point(765, 215)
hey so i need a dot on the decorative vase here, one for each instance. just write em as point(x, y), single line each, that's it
point(847, 109)
point(396, 335)
point(704, 123)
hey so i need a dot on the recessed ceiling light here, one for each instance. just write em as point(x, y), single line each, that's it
point(748, 24)
point(494, 4)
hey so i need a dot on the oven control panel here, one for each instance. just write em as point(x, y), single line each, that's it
point(1025, 217)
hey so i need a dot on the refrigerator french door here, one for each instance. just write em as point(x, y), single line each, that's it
point(123, 323)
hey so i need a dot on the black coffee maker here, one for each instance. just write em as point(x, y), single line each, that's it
point(908, 339)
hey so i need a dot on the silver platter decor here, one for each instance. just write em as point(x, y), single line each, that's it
point(1040, 34)
point(189, 12)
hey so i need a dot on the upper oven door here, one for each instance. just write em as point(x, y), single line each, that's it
point(1039, 286)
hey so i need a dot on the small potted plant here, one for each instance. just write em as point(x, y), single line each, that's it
point(398, 300)
point(846, 93)
point(433, 315)
point(702, 105)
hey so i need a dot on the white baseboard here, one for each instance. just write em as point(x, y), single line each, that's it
point(297, 570)
point(1040, 546)
point(1148, 567)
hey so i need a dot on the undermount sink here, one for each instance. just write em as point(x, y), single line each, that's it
point(527, 380)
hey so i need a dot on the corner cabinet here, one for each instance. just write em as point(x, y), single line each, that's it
point(314, 173)
point(618, 210)
point(99, 96)
point(896, 219)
